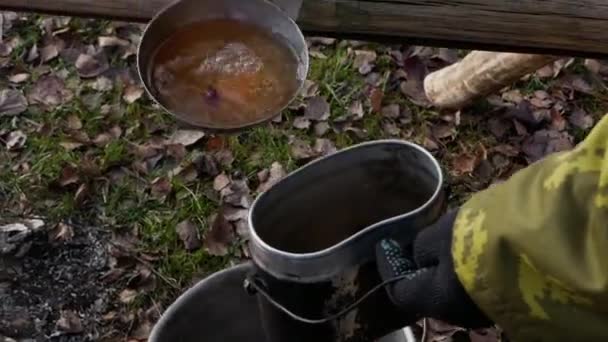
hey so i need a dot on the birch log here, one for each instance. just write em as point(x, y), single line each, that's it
point(479, 74)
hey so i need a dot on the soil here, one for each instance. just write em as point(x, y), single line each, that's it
point(56, 281)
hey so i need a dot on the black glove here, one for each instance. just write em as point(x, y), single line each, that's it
point(432, 288)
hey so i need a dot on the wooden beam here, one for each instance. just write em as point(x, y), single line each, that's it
point(551, 26)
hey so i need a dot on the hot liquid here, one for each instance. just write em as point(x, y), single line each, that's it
point(224, 73)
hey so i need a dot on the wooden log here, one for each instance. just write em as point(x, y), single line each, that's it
point(479, 74)
point(550, 26)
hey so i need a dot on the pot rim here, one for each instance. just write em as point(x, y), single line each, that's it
point(256, 239)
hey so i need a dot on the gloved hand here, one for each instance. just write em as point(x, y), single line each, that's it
point(432, 288)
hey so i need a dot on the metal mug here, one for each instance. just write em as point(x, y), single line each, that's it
point(313, 238)
point(179, 14)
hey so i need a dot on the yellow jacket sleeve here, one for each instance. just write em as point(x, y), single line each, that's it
point(533, 251)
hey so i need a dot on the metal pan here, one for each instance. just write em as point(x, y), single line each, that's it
point(261, 13)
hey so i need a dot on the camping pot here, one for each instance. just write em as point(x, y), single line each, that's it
point(261, 13)
point(313, 237)
point(217, 309)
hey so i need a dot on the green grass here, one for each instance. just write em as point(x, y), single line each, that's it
point(337, 79)
point(125, 204)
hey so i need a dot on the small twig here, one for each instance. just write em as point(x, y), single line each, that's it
point(168, 281)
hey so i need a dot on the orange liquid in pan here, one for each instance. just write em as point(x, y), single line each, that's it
point(224, 73)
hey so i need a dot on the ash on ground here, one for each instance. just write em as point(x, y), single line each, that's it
point(51, 288)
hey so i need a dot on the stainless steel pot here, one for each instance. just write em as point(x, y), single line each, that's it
point(264, 14)
point(217, 309)
point(313, 238)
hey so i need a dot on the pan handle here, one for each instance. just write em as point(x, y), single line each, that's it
point(290, 7)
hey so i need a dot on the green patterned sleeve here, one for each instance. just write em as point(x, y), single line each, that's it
point(533, 251)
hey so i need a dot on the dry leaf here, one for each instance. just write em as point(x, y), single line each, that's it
point(74, 122)
point(541, 103)
point(391, 129)
point(442, 131)
point(485, 335)
point(49, 53)
point(12, 102)
point(33, 54)
point(233, 214)
point(364, 61)
point(15, 140)
point(143, 330)
point(69, 322)
point(324, 147)
point(309, 89)
point(224, 157)
point(186, 137)
point(545, 142)
point(507, 150)
point(520, 128)
point(449, 56)
point(127, 296)
point(71, 145)
point(102, 83)
point(438, 331)
point(525, 113)
point(176, 151)
point(242, 230)
point(594, 66)
point(188, 233)
point(237, 194)
point(63, 232)
point(216, 143)
point(499, 126)
point(102, 139)
point(558, 122)
point(376, 98)
point(50, 91)
point(301, 122)
point(513, 96)
point(80, 136)
point(321, 128)
point(317, 54)
point(317, 109)
point(161, 187)
point(276, 173)
point(545, 72)
point(414, 90)
point(115, 132)
point(5, 49)
point(220, 236)
point(69, 175)
point(19, 78)
point(321, 40)
point(132, 93)
point(301, 149)
point(413, 86)
point(392, 111)
point(579, 118)
point(464, 164)
point(221, 182)
point(91, 66)
point(355, 110)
